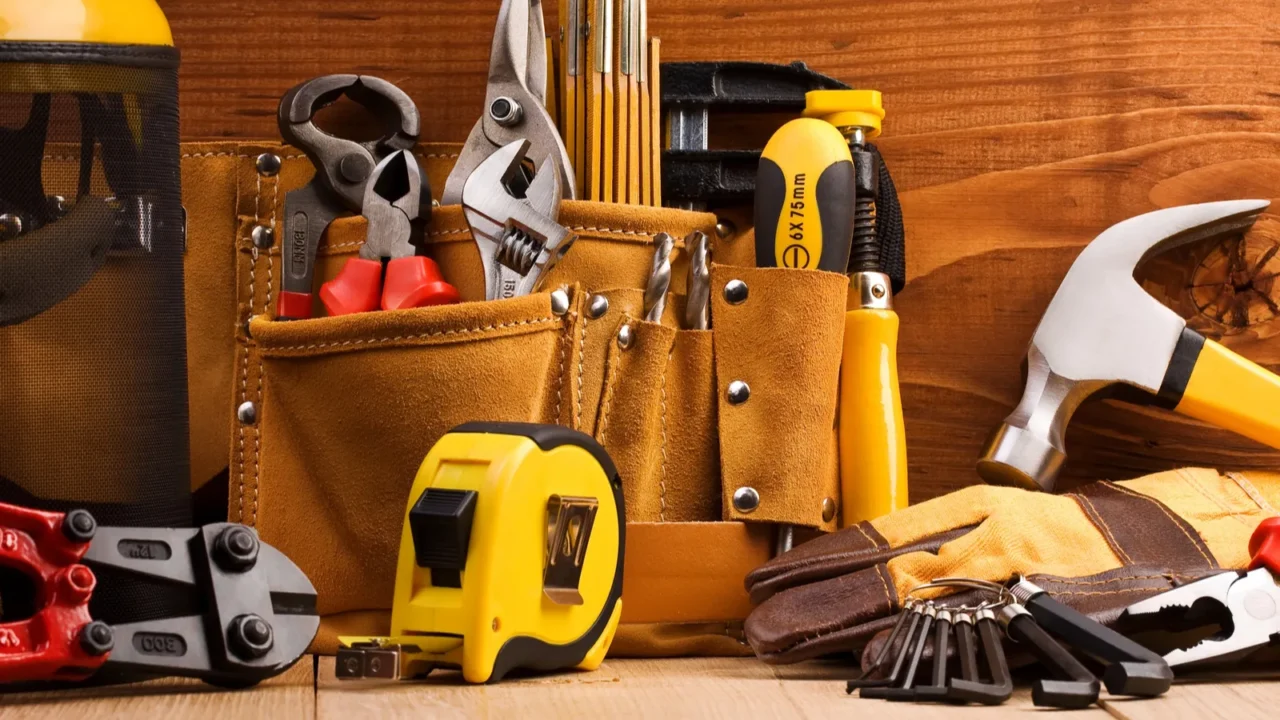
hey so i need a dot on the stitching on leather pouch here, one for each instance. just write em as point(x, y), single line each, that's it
point(569, 319)
point(419, 336)
point(582, 353)
point(662, 477)
point(244, 370)
point(262, 371)
point(610, 384)
point(1106, 529)
point(245, 156)
point(1172, 519)
point(1243, 483)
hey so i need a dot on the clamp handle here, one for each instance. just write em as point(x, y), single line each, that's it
point(1264, 545)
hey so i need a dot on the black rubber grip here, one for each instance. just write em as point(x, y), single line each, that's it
point(1135, 670)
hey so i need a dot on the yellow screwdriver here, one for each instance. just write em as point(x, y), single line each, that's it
point(804, 206)
point(873, 448)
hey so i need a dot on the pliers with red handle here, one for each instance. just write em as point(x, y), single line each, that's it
point(258, 610)
point(1251, 598)
point(389, 273)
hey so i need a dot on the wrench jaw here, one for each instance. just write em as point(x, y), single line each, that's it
point(518, 238)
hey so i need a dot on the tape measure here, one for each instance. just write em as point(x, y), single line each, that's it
point(510, 557)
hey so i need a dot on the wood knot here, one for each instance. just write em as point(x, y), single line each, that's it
point(1222, 286)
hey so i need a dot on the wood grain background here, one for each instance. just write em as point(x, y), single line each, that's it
point(1016, 131)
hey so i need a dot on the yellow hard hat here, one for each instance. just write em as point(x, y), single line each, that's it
point(117, 22)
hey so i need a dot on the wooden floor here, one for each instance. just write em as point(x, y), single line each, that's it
point(711, 688)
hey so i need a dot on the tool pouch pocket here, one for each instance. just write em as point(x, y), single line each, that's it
point(351, 405)
point(331, 417)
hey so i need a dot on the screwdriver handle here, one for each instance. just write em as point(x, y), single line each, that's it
point(804, 198)
point(1264, 545)
point(873, 447)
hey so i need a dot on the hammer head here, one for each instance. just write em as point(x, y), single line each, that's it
point(1101, 328)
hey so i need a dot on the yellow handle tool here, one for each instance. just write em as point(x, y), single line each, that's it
point(511, 557)
point(804, 198)
point(873, 447)
point(804, 208)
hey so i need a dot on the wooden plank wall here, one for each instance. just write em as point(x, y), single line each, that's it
point(1017, 130)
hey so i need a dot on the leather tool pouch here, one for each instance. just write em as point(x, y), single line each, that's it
point(344, 409)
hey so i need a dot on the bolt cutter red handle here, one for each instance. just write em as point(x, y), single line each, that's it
point(256, 609)
point(47, 547)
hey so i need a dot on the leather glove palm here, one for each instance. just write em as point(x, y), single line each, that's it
point(1098, 549)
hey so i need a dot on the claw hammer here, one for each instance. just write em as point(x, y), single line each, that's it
point(1103, 329)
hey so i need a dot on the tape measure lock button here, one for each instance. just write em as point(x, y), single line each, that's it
point(440, 524)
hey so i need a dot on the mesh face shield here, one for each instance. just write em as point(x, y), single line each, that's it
point(93, 387)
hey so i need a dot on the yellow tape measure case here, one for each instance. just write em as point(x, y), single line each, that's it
point(510, 557)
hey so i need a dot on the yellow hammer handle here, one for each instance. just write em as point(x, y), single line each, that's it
point(1233, 393)
point(873, 448)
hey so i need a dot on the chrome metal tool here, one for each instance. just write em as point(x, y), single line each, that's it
point(515, 103)
point(519, 238)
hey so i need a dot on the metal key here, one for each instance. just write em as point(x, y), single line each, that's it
point(1073, 686)
point(906, 691)
point(1001, 686)
point(1132, 668)
point(913, 617)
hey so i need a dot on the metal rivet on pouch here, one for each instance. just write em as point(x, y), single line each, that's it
point(10, 226)
point(268, 164)
point(738, 392)
point(247, 413)
point(559, 302)
point(625, 337)
point(724, 228)
point(828, 509)
point(598, 307)
point(746, 499)
point(263, 236)
point(735, 292)
point(58, 206)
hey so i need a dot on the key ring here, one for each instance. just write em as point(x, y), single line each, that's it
point(1003, 595)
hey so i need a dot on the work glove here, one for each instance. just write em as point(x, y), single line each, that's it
point(1098, 549)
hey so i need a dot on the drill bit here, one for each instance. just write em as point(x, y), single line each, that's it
point(655, 292)
point(697, 311)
